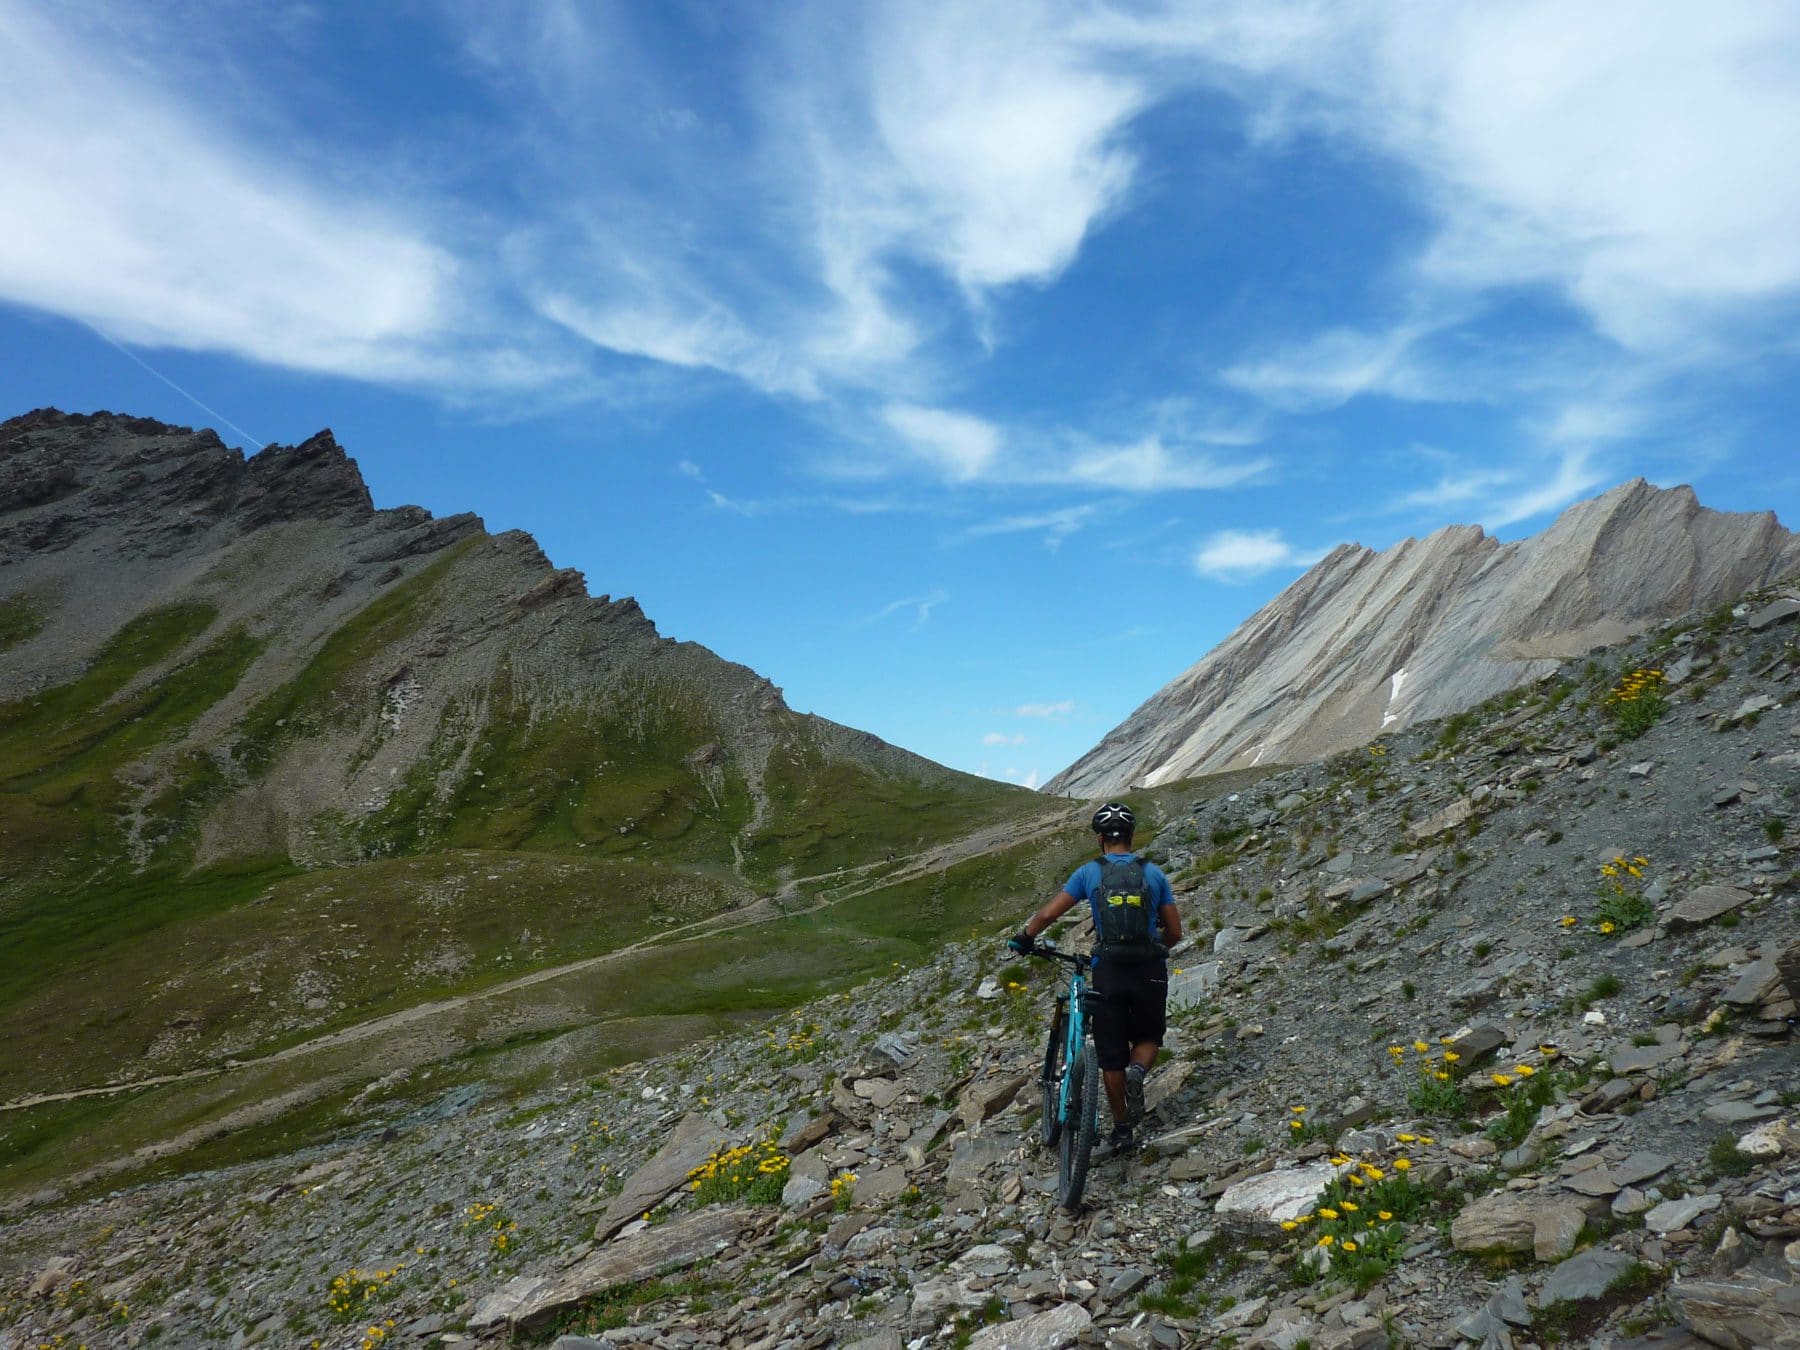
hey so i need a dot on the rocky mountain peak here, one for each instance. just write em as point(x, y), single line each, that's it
point(1366, 642)
point(292, 482)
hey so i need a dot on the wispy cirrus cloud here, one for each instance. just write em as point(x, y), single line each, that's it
point(1001, 738)
point(919, 606)
point(1061, 708)
point(135, 213)
point(1054, 526)
point(1240, 555)
point(962, 448)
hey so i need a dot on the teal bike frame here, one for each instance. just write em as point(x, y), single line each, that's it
point(1070, 1080)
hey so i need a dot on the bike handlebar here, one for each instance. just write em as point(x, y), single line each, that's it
point(1050, 953)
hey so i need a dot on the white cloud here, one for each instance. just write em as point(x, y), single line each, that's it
point(1618, 153)
point(1149, 465)
point(957, 445)
point(1062, 709)
point(961, 447)
point(1239, 555)
point(130, 210)
point(1328, 370)
point(1001, 738)
point(1056, 526)
point(1029, 778)
point(920, 605)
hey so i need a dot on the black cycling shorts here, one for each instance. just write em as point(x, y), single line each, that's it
point(1131, 999)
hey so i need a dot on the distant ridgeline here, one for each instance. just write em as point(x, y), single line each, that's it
point(272, 759)
point(1367, 642)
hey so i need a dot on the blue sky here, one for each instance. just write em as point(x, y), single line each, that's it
point(968, 369)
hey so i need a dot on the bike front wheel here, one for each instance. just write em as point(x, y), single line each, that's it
point(1050, 1081)
point(1079, 1128)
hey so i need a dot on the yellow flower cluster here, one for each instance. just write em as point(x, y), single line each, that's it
point(1427, 1064)
point(1636, 686)
point(1503, 1079)
point(348, 1293)
point(502, 1231)
point(376, 1334)
point(1623, 866)
point(1355, 1214)
point(843, 1190)
point(745, 1162)
point(756, 1172)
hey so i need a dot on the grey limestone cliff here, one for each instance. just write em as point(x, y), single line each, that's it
point(1366, 642)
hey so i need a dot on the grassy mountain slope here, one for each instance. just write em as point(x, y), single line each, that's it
point(274, 763)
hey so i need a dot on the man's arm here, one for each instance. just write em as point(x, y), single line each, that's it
point(1168, 918)
point(1059, 905)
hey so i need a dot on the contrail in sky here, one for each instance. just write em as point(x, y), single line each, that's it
point(255, 441)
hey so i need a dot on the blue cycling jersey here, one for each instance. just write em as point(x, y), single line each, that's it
point(1086, 878)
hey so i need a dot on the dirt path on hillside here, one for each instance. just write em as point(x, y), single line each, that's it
point(758, 911)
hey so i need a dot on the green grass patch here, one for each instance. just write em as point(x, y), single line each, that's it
point(324, 693)
point(19, 622)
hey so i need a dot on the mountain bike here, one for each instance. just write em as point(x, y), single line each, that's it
point(1070, 1080)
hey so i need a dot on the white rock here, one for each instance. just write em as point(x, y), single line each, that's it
point(1672, 1215)
point(1052, 1329)
point(1285, 1193)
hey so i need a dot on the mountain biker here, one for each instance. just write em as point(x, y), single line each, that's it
point(1131, 967)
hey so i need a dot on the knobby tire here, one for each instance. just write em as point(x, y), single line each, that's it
point(1079, 1130)
point(1050, 1122)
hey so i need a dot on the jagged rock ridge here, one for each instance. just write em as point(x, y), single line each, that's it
point(1366, 642)
point(106, 517)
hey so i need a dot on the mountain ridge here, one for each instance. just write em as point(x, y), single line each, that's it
point(365, 758)
point(1365, 641)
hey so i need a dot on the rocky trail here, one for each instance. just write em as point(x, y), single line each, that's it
point(1483, 1036)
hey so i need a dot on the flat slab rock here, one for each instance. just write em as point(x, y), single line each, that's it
point(988, 1097)
point(693, 1140)
point(1519, 1221)
point(1749, 1312)
point(642, 1256)
point(1053, 1329)
point(1273, 1197)
point(1702, 905)
point(1582, 1277)
point(1672, 1215)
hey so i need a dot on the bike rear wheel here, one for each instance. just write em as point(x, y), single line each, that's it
point(1050, 1081)
point(1079, 1128)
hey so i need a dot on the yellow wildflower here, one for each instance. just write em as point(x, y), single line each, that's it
point(1524, 1070)
point(1327, 1240)
point(1503, 1079)
point(1450, 1057)
point(1384, 1214)
point(1288, 1225)
point(1568, 921)
point(1401, 1164)
point(1328, 1214)
point(1350, 1206)
point(1420, 1046)
point(1349, 1246)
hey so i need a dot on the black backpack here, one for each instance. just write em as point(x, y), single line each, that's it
point(1124, 914)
